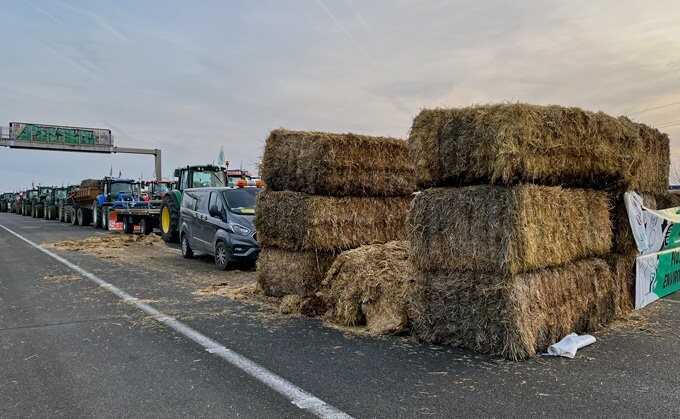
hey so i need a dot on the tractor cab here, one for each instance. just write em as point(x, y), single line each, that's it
point(206, 176)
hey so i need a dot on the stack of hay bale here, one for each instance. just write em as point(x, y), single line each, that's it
point(325, 193)
point(514, 240)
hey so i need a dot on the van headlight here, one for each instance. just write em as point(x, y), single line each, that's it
point(239, 229)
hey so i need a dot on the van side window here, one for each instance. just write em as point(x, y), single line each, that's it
point(202, 205)
point(216, 202)
point(189, 201)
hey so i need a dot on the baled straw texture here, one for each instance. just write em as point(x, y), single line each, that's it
point(623, 290)
point(297, 221)
point(371, 285)
point(515, 318)
point(282, 272)
point(668, 200)
point(547, 145)
point(507, 230)
point(320, 163)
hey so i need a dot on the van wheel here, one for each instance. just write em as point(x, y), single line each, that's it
point(221, 256)
point(186, 248)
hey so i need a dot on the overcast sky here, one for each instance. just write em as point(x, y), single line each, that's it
point(189, 77)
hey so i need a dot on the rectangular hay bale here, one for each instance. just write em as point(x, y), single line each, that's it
point(283, 272)
point(624, 242)
point(507, 230)
point(297, 221)
point(548, 145)
point(320, 163)
point(515, 318)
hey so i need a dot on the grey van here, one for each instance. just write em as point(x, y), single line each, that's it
point(219, 221)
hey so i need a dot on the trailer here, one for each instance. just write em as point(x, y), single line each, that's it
point(145, 218)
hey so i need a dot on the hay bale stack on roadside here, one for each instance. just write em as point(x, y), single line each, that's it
point(371, 286)
point(516, 242)
point(326, 193)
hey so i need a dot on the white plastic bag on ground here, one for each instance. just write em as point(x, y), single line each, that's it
point(568, 346)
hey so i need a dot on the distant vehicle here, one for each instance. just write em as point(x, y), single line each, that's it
point(219, 221)
point(38, 208)
point(27, 202)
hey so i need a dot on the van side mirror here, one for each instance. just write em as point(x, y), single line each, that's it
point(214, 211)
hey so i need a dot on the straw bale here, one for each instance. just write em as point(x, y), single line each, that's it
point(547, 145)
point(297, 221)
point(624, 242)
point(507, 230)
point(320, 163)
point(282, 272)
point(517, 317)
point(371, 286)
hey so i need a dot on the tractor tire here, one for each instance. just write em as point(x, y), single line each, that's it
point(169, 219)
point(128, 227)
point(145, 226)
point(96, 216)
point(61, 215)
point(105, 218)
point(46, 213)
point(73, 216)
point(79, 217)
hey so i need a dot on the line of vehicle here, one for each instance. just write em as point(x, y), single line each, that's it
point(297, 396)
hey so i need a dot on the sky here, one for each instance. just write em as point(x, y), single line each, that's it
point(190, 77)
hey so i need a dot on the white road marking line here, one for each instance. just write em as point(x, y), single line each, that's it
point(296, 395)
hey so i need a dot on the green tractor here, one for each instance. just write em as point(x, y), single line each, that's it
point(5, 201)
point(27, 202)
point(51, 203)
point(187, 177)
point(38, 207)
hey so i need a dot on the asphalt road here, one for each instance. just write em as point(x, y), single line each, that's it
point(70, 348)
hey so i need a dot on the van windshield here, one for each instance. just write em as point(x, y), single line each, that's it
point(241, 201)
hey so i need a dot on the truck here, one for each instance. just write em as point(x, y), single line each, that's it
point(38, 206)
point(27, 202)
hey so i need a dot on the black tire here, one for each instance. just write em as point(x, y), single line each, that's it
point(145, 226)
point(60, 214)
point(187, 253)
point(128, 227)
point(73, 214)
point(222, 256)
point(79, 217)
point(170, 236)
point(96, 217)
point(105, 218)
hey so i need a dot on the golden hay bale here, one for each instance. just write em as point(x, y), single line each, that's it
point(290, 304)
point(624, 242)
point(549, 145)
point(507, 230)
point(371, 286)
point(282, 272)
point(515, 318)
point(320, 163)
point(623, 291)
point(297, 221)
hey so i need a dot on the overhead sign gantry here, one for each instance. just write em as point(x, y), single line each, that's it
point(65, 138)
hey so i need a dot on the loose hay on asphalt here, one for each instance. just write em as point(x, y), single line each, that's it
point(371, 285)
